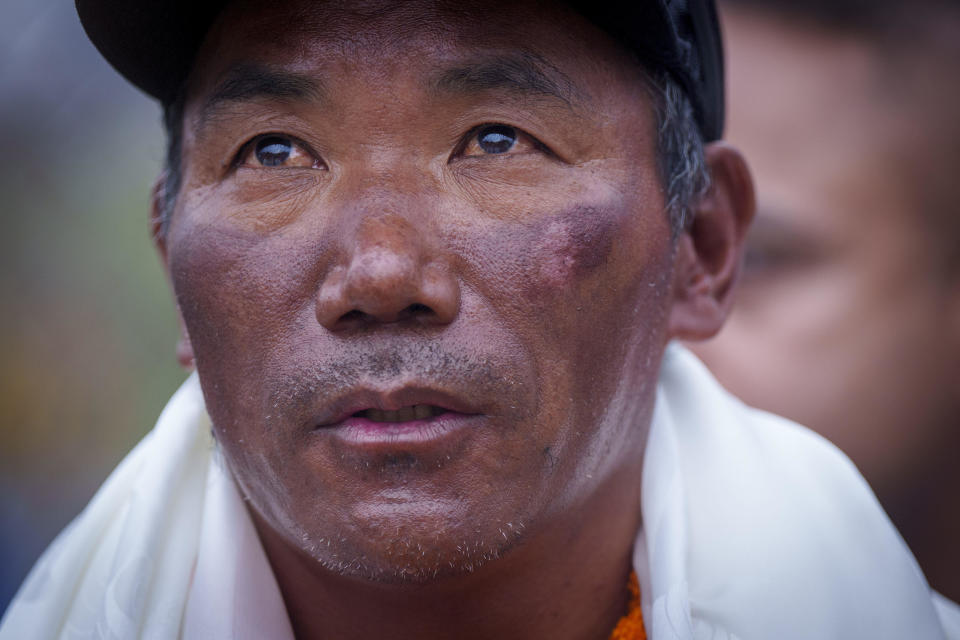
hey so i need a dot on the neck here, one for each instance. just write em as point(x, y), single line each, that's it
point(567, 580)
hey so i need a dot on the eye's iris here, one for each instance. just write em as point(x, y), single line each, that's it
point(496, 138)
point(273, 150)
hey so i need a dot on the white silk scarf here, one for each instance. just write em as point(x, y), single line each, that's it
point(754, 529)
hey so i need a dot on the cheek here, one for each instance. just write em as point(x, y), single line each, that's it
point(242, 295)
point(585, 288)
point(590, 267)
point(569, 248)
point(241, 292)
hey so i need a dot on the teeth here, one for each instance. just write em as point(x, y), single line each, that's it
point(422, 412)
point(406, 414)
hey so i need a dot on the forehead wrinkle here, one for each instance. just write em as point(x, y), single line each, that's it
point(245, 82)
point(524, 73)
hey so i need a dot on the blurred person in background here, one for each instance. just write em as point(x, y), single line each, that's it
point(848, 316)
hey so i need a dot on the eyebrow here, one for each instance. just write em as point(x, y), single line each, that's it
point(246, 82)
point(525, 74)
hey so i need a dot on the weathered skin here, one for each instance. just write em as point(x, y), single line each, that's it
point(535, 290)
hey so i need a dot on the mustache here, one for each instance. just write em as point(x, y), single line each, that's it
point(494, 384)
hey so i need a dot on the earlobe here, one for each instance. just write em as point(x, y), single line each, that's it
point(710, 250)
point(185, 354)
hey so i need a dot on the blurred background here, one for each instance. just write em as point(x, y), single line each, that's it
point(87, 328)
point(847, 316)
point(849, 312)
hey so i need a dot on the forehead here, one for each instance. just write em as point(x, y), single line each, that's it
point(396, 42)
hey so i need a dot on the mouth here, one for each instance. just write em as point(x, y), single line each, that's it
point(404, 414)
point(402, 417)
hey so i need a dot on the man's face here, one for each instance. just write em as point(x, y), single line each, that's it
point(422, 257)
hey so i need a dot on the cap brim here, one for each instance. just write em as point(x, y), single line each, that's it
point(152, 43)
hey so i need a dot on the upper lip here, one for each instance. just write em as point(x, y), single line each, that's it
point(391, 399)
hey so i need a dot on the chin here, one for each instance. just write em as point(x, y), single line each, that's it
point(411, 545)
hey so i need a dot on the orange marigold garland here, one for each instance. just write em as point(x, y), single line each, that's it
point(630, 626)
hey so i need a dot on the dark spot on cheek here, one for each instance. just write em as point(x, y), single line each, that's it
point(574, 244)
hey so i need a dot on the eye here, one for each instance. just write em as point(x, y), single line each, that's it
point(496, 138)
point(499, 139)
point(275, 150)
point(775, 255)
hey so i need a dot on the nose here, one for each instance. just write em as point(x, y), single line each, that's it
point(390, 274)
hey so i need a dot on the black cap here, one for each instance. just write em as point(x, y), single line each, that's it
point(152, 43)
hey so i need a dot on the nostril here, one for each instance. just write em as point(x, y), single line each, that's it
point(417, 309)
point(352, 316)
point(411, 312)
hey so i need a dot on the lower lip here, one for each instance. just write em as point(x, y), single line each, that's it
point(365, 432)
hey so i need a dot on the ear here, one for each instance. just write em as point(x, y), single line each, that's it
point(158, 232)
point(157, 227)
point(709, 252)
